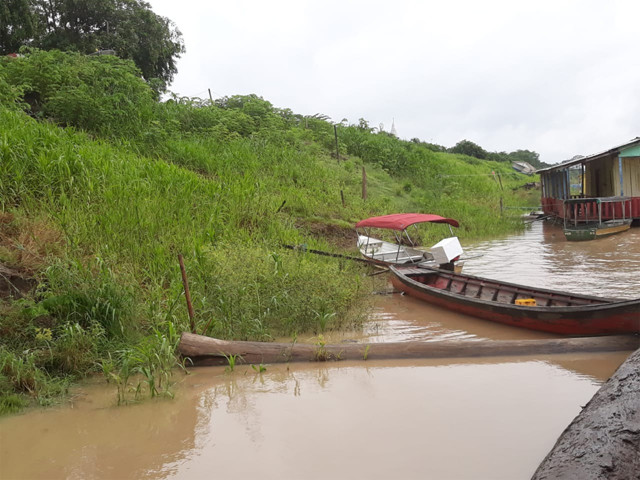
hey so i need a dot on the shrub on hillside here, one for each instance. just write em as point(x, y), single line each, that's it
point(101, 94)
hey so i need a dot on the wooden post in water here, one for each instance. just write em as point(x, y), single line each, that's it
point(364, 184)
point(187, 295)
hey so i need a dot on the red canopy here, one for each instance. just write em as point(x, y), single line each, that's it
point(400, 221)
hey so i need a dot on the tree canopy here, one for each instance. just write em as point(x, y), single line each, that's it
point(128, 27)
point(466, 147)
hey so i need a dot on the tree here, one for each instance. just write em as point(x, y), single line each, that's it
point(17, 25)
point(128, 27)
point(466, 147)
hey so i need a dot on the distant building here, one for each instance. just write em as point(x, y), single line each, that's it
point(613, 173)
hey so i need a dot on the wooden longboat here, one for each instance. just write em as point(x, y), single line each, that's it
point(518, 305)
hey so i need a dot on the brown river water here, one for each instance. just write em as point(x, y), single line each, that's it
point(489, 418)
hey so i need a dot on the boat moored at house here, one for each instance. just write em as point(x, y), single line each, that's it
point(585, 220)
point(609, 180)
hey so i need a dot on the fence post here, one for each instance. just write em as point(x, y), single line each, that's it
point(364, 184)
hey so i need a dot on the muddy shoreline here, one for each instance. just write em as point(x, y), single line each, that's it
point(603, 441)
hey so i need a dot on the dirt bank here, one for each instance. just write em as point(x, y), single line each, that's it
point(603, 441)
point(14, 283)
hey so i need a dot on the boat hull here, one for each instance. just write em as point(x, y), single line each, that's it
point(494, 301)
point(591, 232)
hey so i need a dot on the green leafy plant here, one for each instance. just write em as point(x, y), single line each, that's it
point(321, 353)
point(231, 362)
point(259, 368)
point(366, 352)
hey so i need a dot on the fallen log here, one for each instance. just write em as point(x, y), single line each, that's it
point(210, 351)
point(603, 441)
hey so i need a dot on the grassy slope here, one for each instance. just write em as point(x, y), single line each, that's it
point(100, 228)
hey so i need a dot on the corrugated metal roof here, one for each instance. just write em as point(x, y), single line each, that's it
point(589, 158)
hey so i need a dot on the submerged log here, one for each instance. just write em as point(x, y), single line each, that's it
point(210, 351)
point(603, 441)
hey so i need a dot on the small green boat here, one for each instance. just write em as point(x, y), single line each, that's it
point(583, 217)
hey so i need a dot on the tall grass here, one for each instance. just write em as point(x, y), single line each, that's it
point(99, 223)
point(123, 219)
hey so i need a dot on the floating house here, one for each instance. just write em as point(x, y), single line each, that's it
point(610, 179)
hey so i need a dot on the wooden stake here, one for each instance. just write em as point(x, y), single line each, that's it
point(187, 295)
point(342, 197)
point(364, 184)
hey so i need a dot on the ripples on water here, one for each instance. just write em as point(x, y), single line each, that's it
point(378, 420)
point(541, 257)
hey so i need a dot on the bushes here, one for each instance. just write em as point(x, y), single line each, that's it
point(101, 94)
point(10, 95)
point(120, 221)
point(282, 293)
point(378, 148)
point(21, 378)
point(89, 298)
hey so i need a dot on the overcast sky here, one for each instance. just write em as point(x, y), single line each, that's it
point(561, 77)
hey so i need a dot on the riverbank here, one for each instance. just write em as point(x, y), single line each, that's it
point(93, 225)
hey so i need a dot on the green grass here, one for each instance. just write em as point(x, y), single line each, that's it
point(99, 225)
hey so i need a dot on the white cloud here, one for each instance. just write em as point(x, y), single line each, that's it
point(559, 77)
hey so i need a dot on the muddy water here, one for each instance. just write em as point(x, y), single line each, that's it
point(476, 419)
point(607, 267)
point(487, 419)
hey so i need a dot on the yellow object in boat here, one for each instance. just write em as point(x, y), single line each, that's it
point(526, 302)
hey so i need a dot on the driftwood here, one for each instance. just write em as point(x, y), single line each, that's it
point(210, 351)
point(603, 441)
